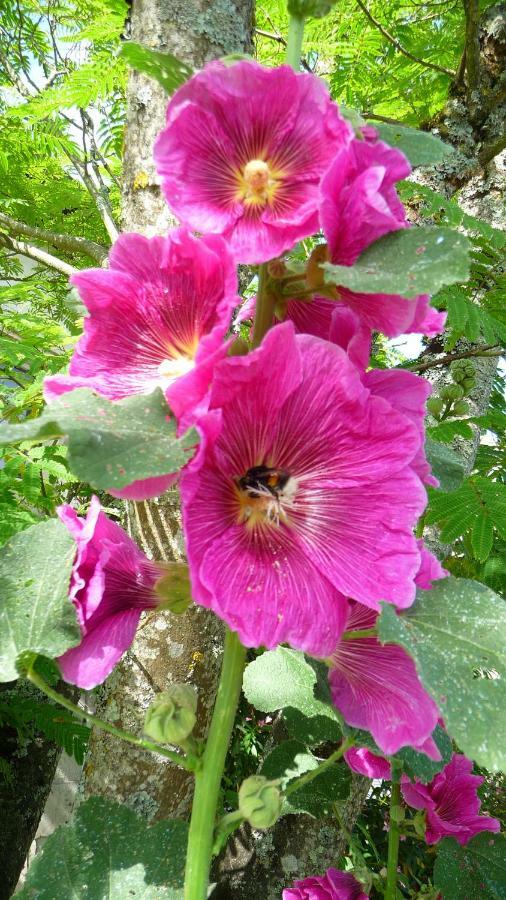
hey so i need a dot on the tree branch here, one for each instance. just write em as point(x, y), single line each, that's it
point(47, 259)
point(489, 151)
point(482, 350)
point(386, 34)
point(62, 241)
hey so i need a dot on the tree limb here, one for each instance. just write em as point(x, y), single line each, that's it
point(47, 259)
point(386, 34)
point(62, 241)
point(482, 350)
point(489, 151)
point(472, 11)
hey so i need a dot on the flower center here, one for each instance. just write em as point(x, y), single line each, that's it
point(264, 495)
point(170, 369)
point(257, 183)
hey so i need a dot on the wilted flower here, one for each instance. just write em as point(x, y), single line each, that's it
point(112, 583)
point(359, 205)
point(334, 885)
point(451, 801)
point(243, 153)
point(302, 492)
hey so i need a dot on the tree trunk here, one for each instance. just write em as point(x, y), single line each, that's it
point(168, 648)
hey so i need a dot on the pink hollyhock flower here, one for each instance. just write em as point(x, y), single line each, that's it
point(112, 583)
point(158, 317)
point(359, 205)
point(243, 153)
point(334, 885)
point(451, 801)
point(302, 492)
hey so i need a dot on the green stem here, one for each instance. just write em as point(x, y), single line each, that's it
point(393, 838)
point(294, 42)
point(186, 762)
point(208, 775)
point(314, 773)
point(264, 310)
point(225, 827)
point(360, 633)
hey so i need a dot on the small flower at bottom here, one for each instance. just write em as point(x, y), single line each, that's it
point(112, 583)
point(302, 492)
point(243, 153)
point(334, 885)
point(451, 801)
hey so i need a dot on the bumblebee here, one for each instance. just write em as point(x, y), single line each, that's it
point(264, 492)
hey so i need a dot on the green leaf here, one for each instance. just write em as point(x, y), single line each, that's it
point(281, 678)
point(410, 261)
point(290, 760)
point(445, 432)
point(165, 68)
point(110, 444)
point(482, 536)
point(456, 633)
point(446, 466)
point(419, 765)
point(108, 852)
point(420, 147)
point(311, 730)
point(476, 870)
point(36, 614)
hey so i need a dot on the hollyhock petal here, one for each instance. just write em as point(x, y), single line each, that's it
point(145, 488)
point(365, 762)
point(347, 331)
point(426, 319)
point(100, 650)
point(451, 802)
point(430, 568)
point(407, 393)
point(376, 687)
point(112, 583)
point(334, 885)
point(243, 153)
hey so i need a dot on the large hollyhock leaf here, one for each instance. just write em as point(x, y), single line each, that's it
point(476, 870)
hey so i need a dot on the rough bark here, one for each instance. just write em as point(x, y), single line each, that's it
point(168, 648)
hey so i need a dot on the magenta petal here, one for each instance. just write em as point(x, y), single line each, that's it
point(145, 488)
point(347, 331)
point(430, 568)
point(334, 885)
point(376, 687)
point(365, 762)
point(94, 658)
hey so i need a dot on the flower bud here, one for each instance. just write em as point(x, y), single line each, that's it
point(419, 823)
point(468, 383)
point(260, 801)
point(452, 392)
point(435, 406)
point(171, 716)
point(461, 408)
point(461, 370)
point(173, 588)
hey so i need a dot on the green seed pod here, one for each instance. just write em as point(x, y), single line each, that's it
point(419, 823)
point(435, 406)
point(468, 384)
point(460, 408)
point(171, 716)
point(260, 801)
point(452, 392)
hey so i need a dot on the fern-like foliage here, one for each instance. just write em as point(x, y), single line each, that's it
point(27, 716)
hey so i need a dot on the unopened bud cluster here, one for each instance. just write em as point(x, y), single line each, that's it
point(450, 402)
point(260, 801)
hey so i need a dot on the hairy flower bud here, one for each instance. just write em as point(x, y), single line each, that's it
point(452, 392)
point(461, 408)
point(461, 370)
point(173, 588)
point(468, 383)
point(259, 801)
point(171, 716)
point(435, 406)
